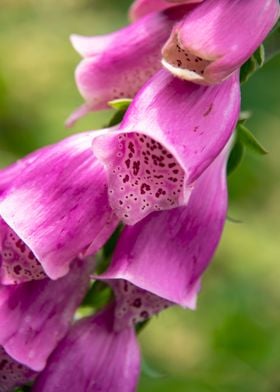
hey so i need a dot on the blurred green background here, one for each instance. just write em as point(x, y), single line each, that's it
point(232, 341)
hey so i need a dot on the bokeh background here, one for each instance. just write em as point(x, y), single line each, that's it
point(232, 341)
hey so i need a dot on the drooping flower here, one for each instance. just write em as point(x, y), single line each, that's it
point(171, 133)
point(35, 316)
point(167, 252)
point(102, 348)
point(142, 8)
point(217, 37)
point(116, 65)
point(54, 207)
point(12, 373)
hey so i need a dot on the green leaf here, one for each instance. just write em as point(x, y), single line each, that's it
point(248, 69)
point(120, 104)
point(235, 157)
point(140, 326)
point(98, 295)
point(248, 140)
point(110, 245)
point(259, 56)
point(24, 388)
point(255, 62)
point(117, 118)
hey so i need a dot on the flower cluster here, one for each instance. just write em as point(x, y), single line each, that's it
point(159, 175)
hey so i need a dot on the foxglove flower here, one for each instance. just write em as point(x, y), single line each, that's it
point(142, 8)
point(12, 373)
point(217, 37)
point(116, 65)
point(102, 348)
point(54, 208)
point(35, 316)
point(171, 133)
point(181, 242)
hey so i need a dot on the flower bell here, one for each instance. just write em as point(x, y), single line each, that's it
point(170, 134)
point(217, 37)
point(53, 209)
point(116, 65)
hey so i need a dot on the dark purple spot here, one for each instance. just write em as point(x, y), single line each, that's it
point(17, 269)
point(144, 188)
point(136, 167)
point(127, 162)
point(126, 178)
point(137, 303)
point(144, 314)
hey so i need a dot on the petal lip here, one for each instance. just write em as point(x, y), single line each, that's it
point(17, 262)
point(58, 206)
point(125, 209)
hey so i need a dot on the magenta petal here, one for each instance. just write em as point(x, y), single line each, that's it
point(58, 205)
point(118, 64)
point(35, 316)
point(217, 37)
point(141, 8)
point(12, 373)
point(167, 252)
point(92, 357)
point(170, 134)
